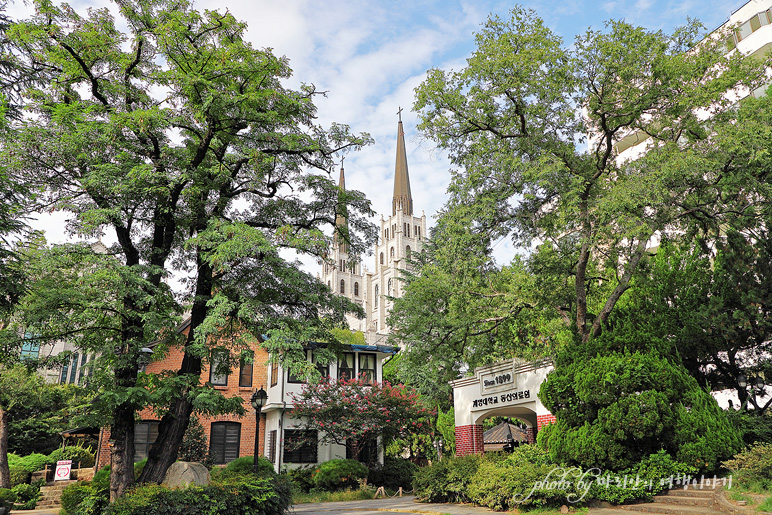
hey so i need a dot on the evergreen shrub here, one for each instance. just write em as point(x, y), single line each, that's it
point(238, 494)
point(615, 409)
point(339, 474)
point(82, 456)
point(446, 480)
point(31, 463)
point(195, 446)
point(245, 464)
point(394, 473)
point(527, 478)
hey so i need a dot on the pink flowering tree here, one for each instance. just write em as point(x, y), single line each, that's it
point(354, 411)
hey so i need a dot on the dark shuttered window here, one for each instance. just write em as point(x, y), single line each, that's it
point(272, 446)
point(299, 446)
point(224, 441)
point(145, 433)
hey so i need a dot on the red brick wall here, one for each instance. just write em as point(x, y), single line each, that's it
point(172, 361)
point(543, 420)
point(469, 439)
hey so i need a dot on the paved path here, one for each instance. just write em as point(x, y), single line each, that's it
point(391, 505)
point(408, 505)
point(375, 507)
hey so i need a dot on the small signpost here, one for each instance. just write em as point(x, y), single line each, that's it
point(63, 470)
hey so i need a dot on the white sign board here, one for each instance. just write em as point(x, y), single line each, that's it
point(63, 470)
point(498, 381)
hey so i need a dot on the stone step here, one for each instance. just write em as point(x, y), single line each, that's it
point(671, 509)
point(691, 492)
point(683, 500)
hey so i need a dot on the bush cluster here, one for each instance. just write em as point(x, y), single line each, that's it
point(614, 409)
point(81, 456)
point(394, 473)
point(752, 466)
point(237, 494)
point(245, 465)
point(22, 467)
point(302, 478)
point(528, 477)
point(339, 474)
point(7, 498)
point(27, 496)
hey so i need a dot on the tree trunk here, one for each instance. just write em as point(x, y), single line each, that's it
point(5, 473)
point(122, 451)
point(173, 424)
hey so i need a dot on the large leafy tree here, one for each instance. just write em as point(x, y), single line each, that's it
point(536, 132)
point(708, 307)
point(459, 309)
point(179, 138)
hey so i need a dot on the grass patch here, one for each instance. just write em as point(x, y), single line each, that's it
point(766, 505)
point(343, 495)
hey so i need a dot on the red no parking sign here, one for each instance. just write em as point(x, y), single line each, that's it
point(63, 470)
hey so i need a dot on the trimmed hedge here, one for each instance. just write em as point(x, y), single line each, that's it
point(235, 495)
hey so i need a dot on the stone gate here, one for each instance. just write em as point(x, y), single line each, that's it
point(508, 389)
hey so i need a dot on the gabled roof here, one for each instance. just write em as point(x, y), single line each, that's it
point(499, 433)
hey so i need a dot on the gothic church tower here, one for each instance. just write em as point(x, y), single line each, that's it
point(401, 233)
point(344, 276)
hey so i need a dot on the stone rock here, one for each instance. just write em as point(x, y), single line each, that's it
point(184, 473)
point(564, 509)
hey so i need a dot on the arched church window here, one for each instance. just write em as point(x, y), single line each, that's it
point(407, 251)
point(376, 295)
point(356, 289)
point(391, 253)
point(389, 288)
point(342, 286)
point(381, 257)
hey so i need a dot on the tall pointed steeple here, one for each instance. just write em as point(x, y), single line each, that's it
point(341, 218)
point(402, 197)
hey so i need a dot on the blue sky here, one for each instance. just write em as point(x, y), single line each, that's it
point(370, 55)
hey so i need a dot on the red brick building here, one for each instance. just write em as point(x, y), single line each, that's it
point(231, 436)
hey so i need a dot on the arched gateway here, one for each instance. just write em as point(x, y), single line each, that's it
point(507, 389)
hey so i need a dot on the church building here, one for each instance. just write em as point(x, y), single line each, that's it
point(401, 233)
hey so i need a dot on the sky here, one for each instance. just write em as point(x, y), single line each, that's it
point(369, 56)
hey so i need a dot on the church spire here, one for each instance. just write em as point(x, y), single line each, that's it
point(341, 220)
point(402, 197)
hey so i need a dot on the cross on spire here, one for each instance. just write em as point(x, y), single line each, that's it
point(399, 113)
